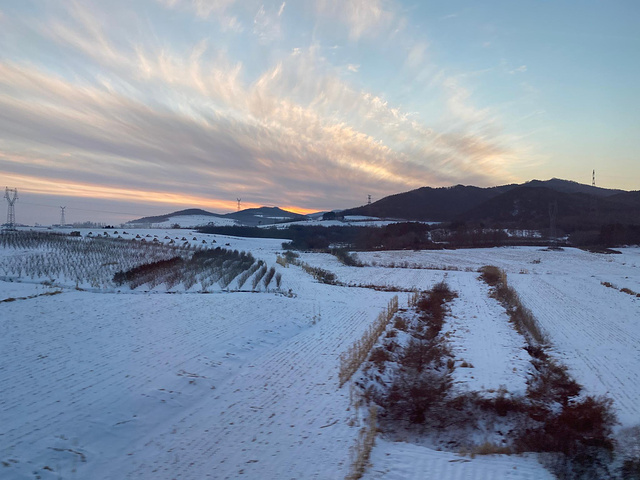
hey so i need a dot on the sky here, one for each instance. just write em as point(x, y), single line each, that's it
point(128, 108)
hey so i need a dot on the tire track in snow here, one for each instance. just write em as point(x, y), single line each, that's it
point(84, 371)
point(266, 421)
point(594, 330)
point(480, 334)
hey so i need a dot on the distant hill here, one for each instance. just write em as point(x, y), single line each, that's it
point(431, 204)
point(264, 216)
point(196, 216)
point(529, 207)
point(516, 206)
point(179, 213)
point(568, 186)
point(525, 205)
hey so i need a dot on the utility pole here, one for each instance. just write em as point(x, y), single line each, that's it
point(11, 195)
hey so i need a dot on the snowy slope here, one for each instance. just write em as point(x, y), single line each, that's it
point(244, 385)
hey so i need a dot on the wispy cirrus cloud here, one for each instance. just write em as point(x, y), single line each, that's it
point(363, 18)
point(152, 117)
point(203, 8)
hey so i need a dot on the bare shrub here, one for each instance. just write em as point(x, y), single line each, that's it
point(414, 393)
point(378, 356)
point(258, 276)
point(400, 324)
point(247, 273)
point(503, 403)
point(282, 261)
point(552, 383)
point(581, 431)
point(346, 258)
point(391, 333)
point(491, 275)
point(269, 276)
point(420, 355)
point(323, 276)
point(488, 448)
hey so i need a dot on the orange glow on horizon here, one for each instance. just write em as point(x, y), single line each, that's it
point(300, 210)
point(57, 187)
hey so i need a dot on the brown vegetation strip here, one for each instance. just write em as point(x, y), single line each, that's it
point(46, 294)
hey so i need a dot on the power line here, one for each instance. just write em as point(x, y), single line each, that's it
point(83, 209)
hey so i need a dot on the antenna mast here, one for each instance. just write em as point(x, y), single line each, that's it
point(11, 194)
point(62, 221)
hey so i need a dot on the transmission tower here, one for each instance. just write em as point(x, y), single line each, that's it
point(239, 200)
point(593, 179)
point(11, 194)
point(62, 221)
point(368, 199)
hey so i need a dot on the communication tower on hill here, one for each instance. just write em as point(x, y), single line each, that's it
point(11, 194)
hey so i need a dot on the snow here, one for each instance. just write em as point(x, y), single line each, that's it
point(475, 322)
point(17, 290)
point(191, 221)
point(407, 461)
point(244, 385)
point(595, 332)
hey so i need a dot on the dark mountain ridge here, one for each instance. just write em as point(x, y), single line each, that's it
point(430, 204)
point(519, 206)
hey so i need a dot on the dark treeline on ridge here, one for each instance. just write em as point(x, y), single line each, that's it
point(396, 236)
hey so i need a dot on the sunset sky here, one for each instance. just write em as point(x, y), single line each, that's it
point(123, 108)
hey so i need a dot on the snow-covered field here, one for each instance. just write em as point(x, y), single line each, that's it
point(245, 385)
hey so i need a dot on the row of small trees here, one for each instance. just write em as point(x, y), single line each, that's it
point(83, 261)
point(102, 262)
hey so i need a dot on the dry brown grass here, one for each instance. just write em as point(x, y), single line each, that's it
point(520, 316)
point(361, 451)
point(487, 448)
point(351, 360)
